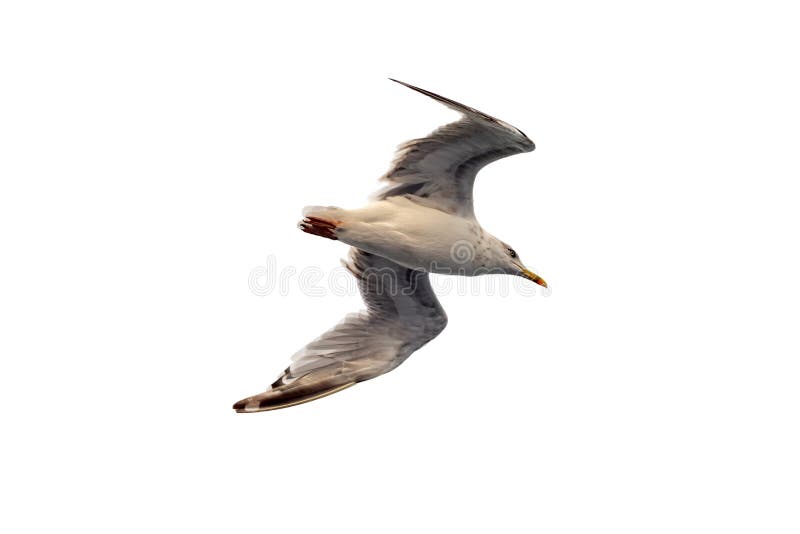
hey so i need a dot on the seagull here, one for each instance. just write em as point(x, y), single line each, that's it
point(421, 222)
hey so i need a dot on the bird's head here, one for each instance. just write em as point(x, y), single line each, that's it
point(507, 259)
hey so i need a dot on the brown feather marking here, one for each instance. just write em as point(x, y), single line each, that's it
point(320, 227)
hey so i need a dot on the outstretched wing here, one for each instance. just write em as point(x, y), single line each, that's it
point(402, 315)
point(442, 166)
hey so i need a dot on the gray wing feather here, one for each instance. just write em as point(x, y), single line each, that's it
point(441, 167)
point(402, 315)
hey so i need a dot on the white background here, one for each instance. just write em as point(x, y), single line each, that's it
point(154, 153)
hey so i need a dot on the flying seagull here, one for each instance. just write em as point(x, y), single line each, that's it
point(421, 222)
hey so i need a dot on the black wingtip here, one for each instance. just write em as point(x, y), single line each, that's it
point(431, 94)
point(277, 399)
point(407, 85)
point(449, 102)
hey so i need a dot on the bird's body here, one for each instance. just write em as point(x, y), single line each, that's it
point(421, 222)
point(413, 234)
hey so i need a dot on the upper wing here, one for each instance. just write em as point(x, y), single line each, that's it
point(402, 315)
point(442, 166)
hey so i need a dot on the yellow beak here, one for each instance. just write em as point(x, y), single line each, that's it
point(533, 277)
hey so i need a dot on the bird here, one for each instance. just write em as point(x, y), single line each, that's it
point(422, 221)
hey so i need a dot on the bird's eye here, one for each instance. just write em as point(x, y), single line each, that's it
point(512, 252)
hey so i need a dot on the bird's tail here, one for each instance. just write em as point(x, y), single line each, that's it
point(321, 220)
point(323, 212)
